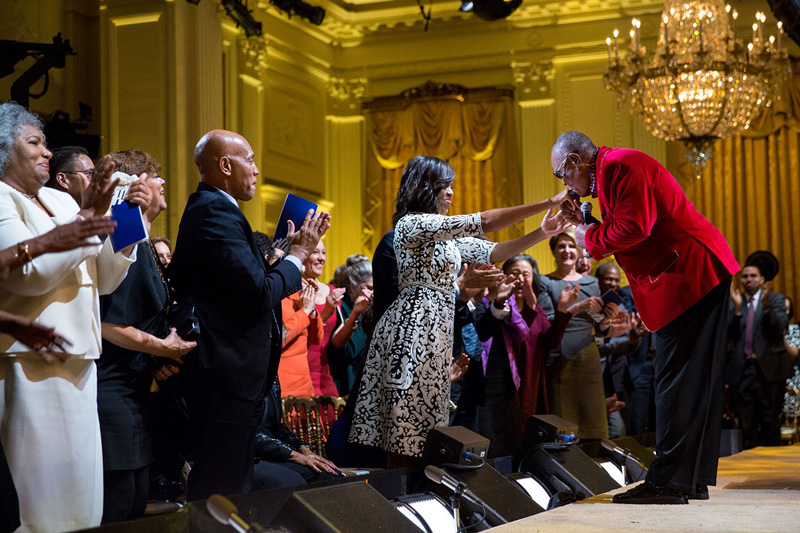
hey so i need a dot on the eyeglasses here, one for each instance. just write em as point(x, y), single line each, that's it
point(88, 173)
point(557, 172)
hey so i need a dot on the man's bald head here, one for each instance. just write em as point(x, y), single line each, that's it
point(226, 161)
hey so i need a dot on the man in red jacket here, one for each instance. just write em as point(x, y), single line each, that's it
point(679, 268)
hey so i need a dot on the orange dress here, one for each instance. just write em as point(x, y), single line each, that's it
point(299, 331)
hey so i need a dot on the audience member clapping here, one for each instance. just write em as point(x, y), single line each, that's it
point(326, 302)
point(48, 412)
point(135, 333)
point(348, 342)
point(574, 376)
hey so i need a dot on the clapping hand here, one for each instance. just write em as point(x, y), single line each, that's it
point(97, 196)
point(568, 296)
point(736, 298)
point(334, 297)
point(285, 243)
point(363, 301)
point(305, 240)
point(502, 291)
point(459, 368)
point(766, 290)
point(526, 291)
point(308, 294)
point(475, 278)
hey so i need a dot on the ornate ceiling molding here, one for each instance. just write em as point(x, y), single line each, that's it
point(348, 24)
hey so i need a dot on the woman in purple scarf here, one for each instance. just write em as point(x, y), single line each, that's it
point(519, 335)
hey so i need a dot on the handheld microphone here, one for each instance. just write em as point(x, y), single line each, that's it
point(440, 477)
point(586, 209)
point(225, 512)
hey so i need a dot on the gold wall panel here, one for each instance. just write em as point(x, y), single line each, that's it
point(293, 134)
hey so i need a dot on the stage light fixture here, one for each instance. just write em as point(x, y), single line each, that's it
point(314, 14)
point(492, 9)
point(239, 13)
point(428, 512)
point(537, 490)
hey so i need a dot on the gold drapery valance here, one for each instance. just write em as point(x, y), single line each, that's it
point(750, 188)
point(472, 129)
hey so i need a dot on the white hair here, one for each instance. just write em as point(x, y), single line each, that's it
point(12, 117)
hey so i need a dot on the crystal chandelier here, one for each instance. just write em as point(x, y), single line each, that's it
point(703, 83)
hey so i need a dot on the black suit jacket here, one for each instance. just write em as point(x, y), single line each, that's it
point(768, 330)
point(218, 268)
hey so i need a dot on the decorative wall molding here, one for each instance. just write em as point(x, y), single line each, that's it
point(438, 91)
point(533, 80)
point(345, 95)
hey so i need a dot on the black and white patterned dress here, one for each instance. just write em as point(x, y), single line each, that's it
point(406, 383)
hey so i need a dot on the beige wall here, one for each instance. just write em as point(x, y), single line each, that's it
point(160, 73)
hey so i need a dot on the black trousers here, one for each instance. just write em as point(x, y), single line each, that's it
point(689, 365)
point(759, 404)
point(125, 494)
point(223, 429)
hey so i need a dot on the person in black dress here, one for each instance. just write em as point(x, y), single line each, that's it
point(135, 334)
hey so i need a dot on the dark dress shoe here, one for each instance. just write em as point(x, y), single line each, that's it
point(649, 494)
point(700, 493)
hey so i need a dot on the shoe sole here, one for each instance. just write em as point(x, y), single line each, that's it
point(652, 502)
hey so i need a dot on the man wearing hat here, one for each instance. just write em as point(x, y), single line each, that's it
point(759, 363)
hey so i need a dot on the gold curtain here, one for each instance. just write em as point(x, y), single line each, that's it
point(475, 134)
point(751, 186)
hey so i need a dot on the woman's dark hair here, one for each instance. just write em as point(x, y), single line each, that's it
point(789, 308)
point(423, 179)
point(536, 284)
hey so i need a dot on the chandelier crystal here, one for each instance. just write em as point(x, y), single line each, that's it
point(703, 82)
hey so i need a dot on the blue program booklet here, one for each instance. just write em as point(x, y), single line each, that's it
point(130, 224)
point(295, 209)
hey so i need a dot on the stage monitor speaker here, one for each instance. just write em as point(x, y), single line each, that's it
point(450, 444)
point(502, 501)
point(637, 449)
point(346, 508)
point(548, 428)
point(619, 453)
point(568, 466)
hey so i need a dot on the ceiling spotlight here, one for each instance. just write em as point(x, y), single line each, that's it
point(241, 16)
point(466, 6)
point(492, 9)
point(314, 14)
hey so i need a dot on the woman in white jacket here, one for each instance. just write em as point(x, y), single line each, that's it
point(48, 411)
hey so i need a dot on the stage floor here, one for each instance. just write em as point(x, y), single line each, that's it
point(757, 490)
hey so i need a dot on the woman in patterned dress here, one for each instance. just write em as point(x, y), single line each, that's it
point(405, 388)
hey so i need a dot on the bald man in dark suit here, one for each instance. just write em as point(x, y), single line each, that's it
point(218, 269)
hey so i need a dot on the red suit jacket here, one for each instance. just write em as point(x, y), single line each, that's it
point(672, 255)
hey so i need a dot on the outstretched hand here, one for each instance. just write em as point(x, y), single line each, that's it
point(554, 224)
